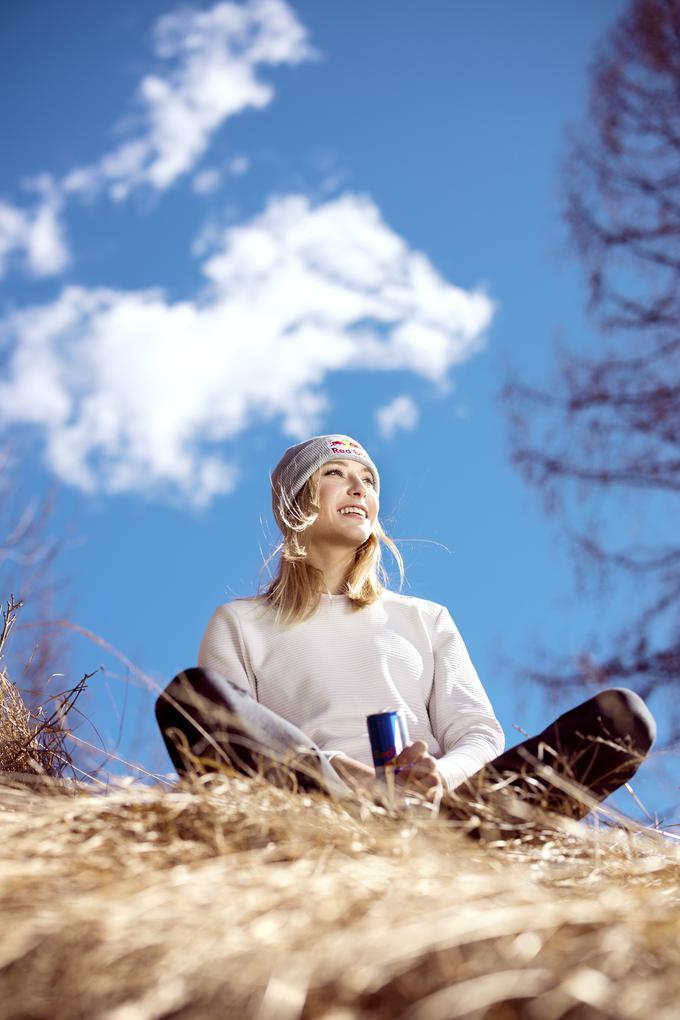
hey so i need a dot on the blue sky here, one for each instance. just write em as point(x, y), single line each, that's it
point(224, 227)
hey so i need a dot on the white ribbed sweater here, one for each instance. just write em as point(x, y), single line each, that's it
point(328, 673)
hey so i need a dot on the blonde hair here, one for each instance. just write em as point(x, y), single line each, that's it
point(295, 592)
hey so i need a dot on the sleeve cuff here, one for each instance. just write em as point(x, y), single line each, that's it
point(330, 755)
point(456, 768)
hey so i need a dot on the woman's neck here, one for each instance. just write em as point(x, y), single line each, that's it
point(334, 565)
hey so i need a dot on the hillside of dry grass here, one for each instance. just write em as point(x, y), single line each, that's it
point(228, 897)
point(241, 899)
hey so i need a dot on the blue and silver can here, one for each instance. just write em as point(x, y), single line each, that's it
point(388, 733)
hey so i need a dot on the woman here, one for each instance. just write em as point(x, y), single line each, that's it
point(290, 676)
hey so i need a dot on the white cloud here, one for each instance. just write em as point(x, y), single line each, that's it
point(400, 415)
point(212, 60)
point(135, 392)
point(211, 71)
point(207, 181)
point(33, 237)
point(239, 165)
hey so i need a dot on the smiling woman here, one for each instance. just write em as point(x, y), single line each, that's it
point(289, 676)
point(325, 499)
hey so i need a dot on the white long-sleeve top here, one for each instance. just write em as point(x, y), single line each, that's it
point(329, 672)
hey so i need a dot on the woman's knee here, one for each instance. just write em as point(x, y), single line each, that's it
point(625, 714)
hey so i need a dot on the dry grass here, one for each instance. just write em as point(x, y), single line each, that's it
point(33, 741)
point(229, 897)
point(236, 898)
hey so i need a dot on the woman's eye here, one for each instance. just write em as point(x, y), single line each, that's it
point(334, 471)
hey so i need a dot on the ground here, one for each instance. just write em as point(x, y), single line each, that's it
point(242, 899)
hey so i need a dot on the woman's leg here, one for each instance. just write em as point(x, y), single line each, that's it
point(208, 722)
point(598, 746)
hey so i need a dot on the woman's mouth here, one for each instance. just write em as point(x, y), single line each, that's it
point(353, 511)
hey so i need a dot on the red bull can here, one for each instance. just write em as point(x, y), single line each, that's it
point(388, 733)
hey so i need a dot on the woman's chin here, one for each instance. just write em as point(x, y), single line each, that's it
point(353, 535)
point(345, 532)
point(357, 524)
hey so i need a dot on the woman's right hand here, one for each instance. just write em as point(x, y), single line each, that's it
point(416, 770)
point(353, 772)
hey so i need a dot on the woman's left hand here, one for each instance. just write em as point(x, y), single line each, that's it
point(416, 770)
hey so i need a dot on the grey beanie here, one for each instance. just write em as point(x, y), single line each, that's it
point(299, 463)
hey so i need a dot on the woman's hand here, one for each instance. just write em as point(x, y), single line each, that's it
point(355, 773)
point(416, 770)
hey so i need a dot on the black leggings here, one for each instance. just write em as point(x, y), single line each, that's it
point(207, 722)
point(595, 747)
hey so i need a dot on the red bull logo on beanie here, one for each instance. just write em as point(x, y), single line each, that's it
point(343, 446)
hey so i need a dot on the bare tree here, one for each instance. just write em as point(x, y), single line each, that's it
point(610, 422)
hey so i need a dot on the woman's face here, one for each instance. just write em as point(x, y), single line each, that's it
point(348, 504)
